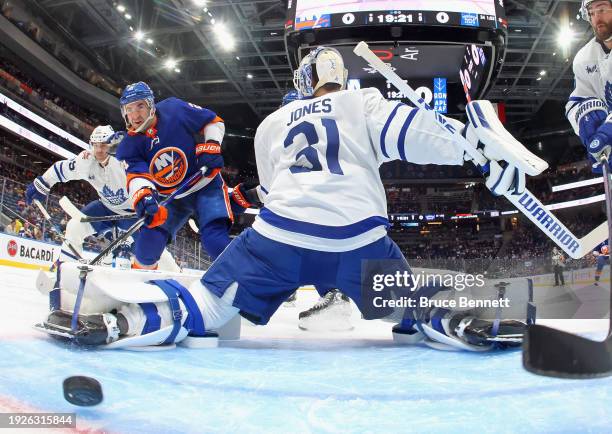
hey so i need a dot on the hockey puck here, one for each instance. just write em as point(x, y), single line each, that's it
point(82, 391)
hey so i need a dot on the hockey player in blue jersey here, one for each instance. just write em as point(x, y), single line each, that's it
point(167, 143)
point(324, 214)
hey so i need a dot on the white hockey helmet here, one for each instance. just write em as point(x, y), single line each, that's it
point(584, 9)
point(322, 65)
point(101, 134)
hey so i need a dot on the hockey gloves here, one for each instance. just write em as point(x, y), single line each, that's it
point(601, 144)
point(146, 205)
point(591, 115)
point(509, 161)
point(209, 155)
point(38, 190)
point(244, 196)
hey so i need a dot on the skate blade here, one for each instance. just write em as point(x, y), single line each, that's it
point(55, 330)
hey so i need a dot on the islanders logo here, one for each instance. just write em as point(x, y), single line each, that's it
point(168, 167)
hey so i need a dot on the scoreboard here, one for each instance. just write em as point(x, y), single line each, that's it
point(312, 14)
point(448, 50)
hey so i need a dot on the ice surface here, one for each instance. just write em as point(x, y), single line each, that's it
point(281, 379)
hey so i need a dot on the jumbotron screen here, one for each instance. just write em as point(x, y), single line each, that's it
point(313, 14)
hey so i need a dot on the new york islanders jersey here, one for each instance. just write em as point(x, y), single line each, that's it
point(109, 181)
point(593, 73)
point(318, 161)
point(165, 154)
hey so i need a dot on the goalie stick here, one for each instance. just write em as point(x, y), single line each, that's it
point(555, 353)
point(56, 229)
point(525, 202)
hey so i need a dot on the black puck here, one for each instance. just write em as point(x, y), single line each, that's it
point(82, 391)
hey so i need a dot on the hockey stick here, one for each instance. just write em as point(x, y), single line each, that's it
point(56, 229)
point(555, 353)
point(525, 202)
point(189, 183)
point(108, 218)
point(75, 213)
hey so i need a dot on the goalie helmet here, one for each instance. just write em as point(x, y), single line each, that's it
point(584, 9)
point(321, 66)
point(137, 92)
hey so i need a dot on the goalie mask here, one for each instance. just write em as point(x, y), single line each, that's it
point(321, 66)
point(137, 92)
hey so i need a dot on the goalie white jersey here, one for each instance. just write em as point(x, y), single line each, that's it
point(109, 181)
point(318, 163)
point(593, 71)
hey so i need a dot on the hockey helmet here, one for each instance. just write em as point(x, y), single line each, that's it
point(584, 9)
point(101, 134)
point(137, 92)
point(321, 66)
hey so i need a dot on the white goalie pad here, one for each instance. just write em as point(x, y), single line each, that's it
point(108, 288)
point(499, 143)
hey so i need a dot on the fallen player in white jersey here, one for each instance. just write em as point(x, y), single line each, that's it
point(324, 217)
point(107, 176)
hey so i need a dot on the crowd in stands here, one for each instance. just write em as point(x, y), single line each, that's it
point(33, 30)
point(32, 92)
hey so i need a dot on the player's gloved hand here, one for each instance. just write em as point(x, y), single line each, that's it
point(146, 205)
point(590, 116)
point(209, 155)
point(508, 160)
point(116, 138)
point(601, 144)
point(243, 196)
point(38, 190)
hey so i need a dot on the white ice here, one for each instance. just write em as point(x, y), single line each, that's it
point(278, 378)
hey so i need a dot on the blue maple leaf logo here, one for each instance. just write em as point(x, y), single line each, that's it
point(115, 198)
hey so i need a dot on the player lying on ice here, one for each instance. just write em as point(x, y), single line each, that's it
point(324, 212)
point(99, 167)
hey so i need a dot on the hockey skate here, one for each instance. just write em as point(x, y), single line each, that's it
point(332, 312)
point(92, 330)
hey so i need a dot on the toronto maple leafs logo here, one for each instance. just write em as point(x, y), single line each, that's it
point(114, 198)
point(609, 95)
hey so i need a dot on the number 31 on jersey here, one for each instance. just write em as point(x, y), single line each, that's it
point(310, 153)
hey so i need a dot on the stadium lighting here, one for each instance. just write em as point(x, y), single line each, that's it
point(250, 76)
point(149, 41)
point(170, 63)
point(542, 73)
point(565, 37)
point(138, 35)
point(128, 16)
point(177, 70)
point(121, 8)
point(224, 36)
point(199, 3)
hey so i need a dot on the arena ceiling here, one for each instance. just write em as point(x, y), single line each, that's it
point(253, 76)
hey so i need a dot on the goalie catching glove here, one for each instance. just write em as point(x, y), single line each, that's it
point(509, 161)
